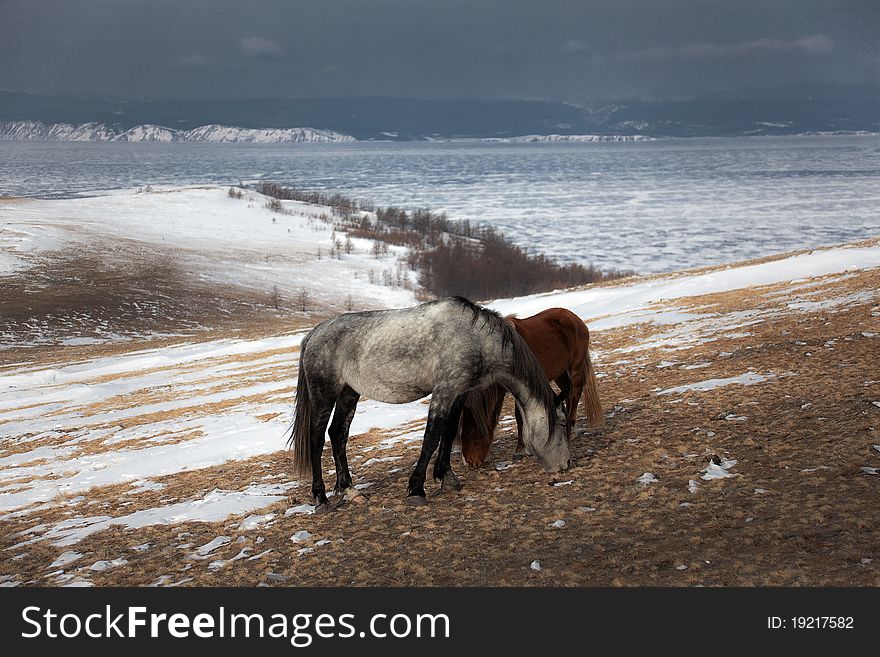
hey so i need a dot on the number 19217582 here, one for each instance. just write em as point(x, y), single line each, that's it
point(810, 623)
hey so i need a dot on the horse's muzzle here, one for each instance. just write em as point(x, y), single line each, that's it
point(551, 469)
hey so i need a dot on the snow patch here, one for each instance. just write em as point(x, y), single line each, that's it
point(745, 379)
point(65, 558)
point(647, 478)
point(719, 470)
point(212, 545)
point(101, 566)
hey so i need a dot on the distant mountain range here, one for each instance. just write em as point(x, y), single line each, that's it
point(36, 130)
point(792, 110)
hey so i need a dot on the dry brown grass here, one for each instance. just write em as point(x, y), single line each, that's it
point(808, 433)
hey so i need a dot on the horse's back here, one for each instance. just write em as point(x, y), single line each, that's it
point(557, 336)
point(398, 355)
point(560, 319)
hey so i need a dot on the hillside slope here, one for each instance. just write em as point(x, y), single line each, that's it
point(179, 260)
point(748, 393)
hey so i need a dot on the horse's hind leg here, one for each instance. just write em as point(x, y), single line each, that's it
point(438, 419)
point(442, 468)
point(578, 377)
point(322, 400)
point(339, 427)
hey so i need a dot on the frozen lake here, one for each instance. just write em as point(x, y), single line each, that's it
point(648, 206)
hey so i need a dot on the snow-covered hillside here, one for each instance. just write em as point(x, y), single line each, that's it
point(35, 130)
point(211, 236)
point(226, 134)
point(614, 306)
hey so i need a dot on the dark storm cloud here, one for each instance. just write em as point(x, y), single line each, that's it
point(556, 49)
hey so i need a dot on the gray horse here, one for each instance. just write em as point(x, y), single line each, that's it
point(443, 348)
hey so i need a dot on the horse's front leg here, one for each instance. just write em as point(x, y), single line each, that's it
point(442, 467)
point(520, 449)
point(438, 417)
point(339, 428)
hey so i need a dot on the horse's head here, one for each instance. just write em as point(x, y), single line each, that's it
point(476, 453)
point(475, 444)
point(554, 454)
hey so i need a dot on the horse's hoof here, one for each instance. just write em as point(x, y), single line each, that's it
point(323, 508)
point(417, 500)
point(518, 456)
point(351, 495)
point(450, 482)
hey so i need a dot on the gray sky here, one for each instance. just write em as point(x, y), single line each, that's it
point(552, 49)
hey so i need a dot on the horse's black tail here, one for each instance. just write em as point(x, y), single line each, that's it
point(300, 436)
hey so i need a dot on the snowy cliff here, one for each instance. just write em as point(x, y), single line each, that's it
point(35, 130)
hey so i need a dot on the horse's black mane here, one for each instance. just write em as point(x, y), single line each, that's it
point(470, 305)
point(525, 364)
point(493, 319)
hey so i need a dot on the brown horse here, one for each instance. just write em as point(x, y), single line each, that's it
point(561, 342)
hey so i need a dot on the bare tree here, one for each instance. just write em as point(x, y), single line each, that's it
point(349, 303)
point(303, 299)
point(275, 297)
point(349, 245)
